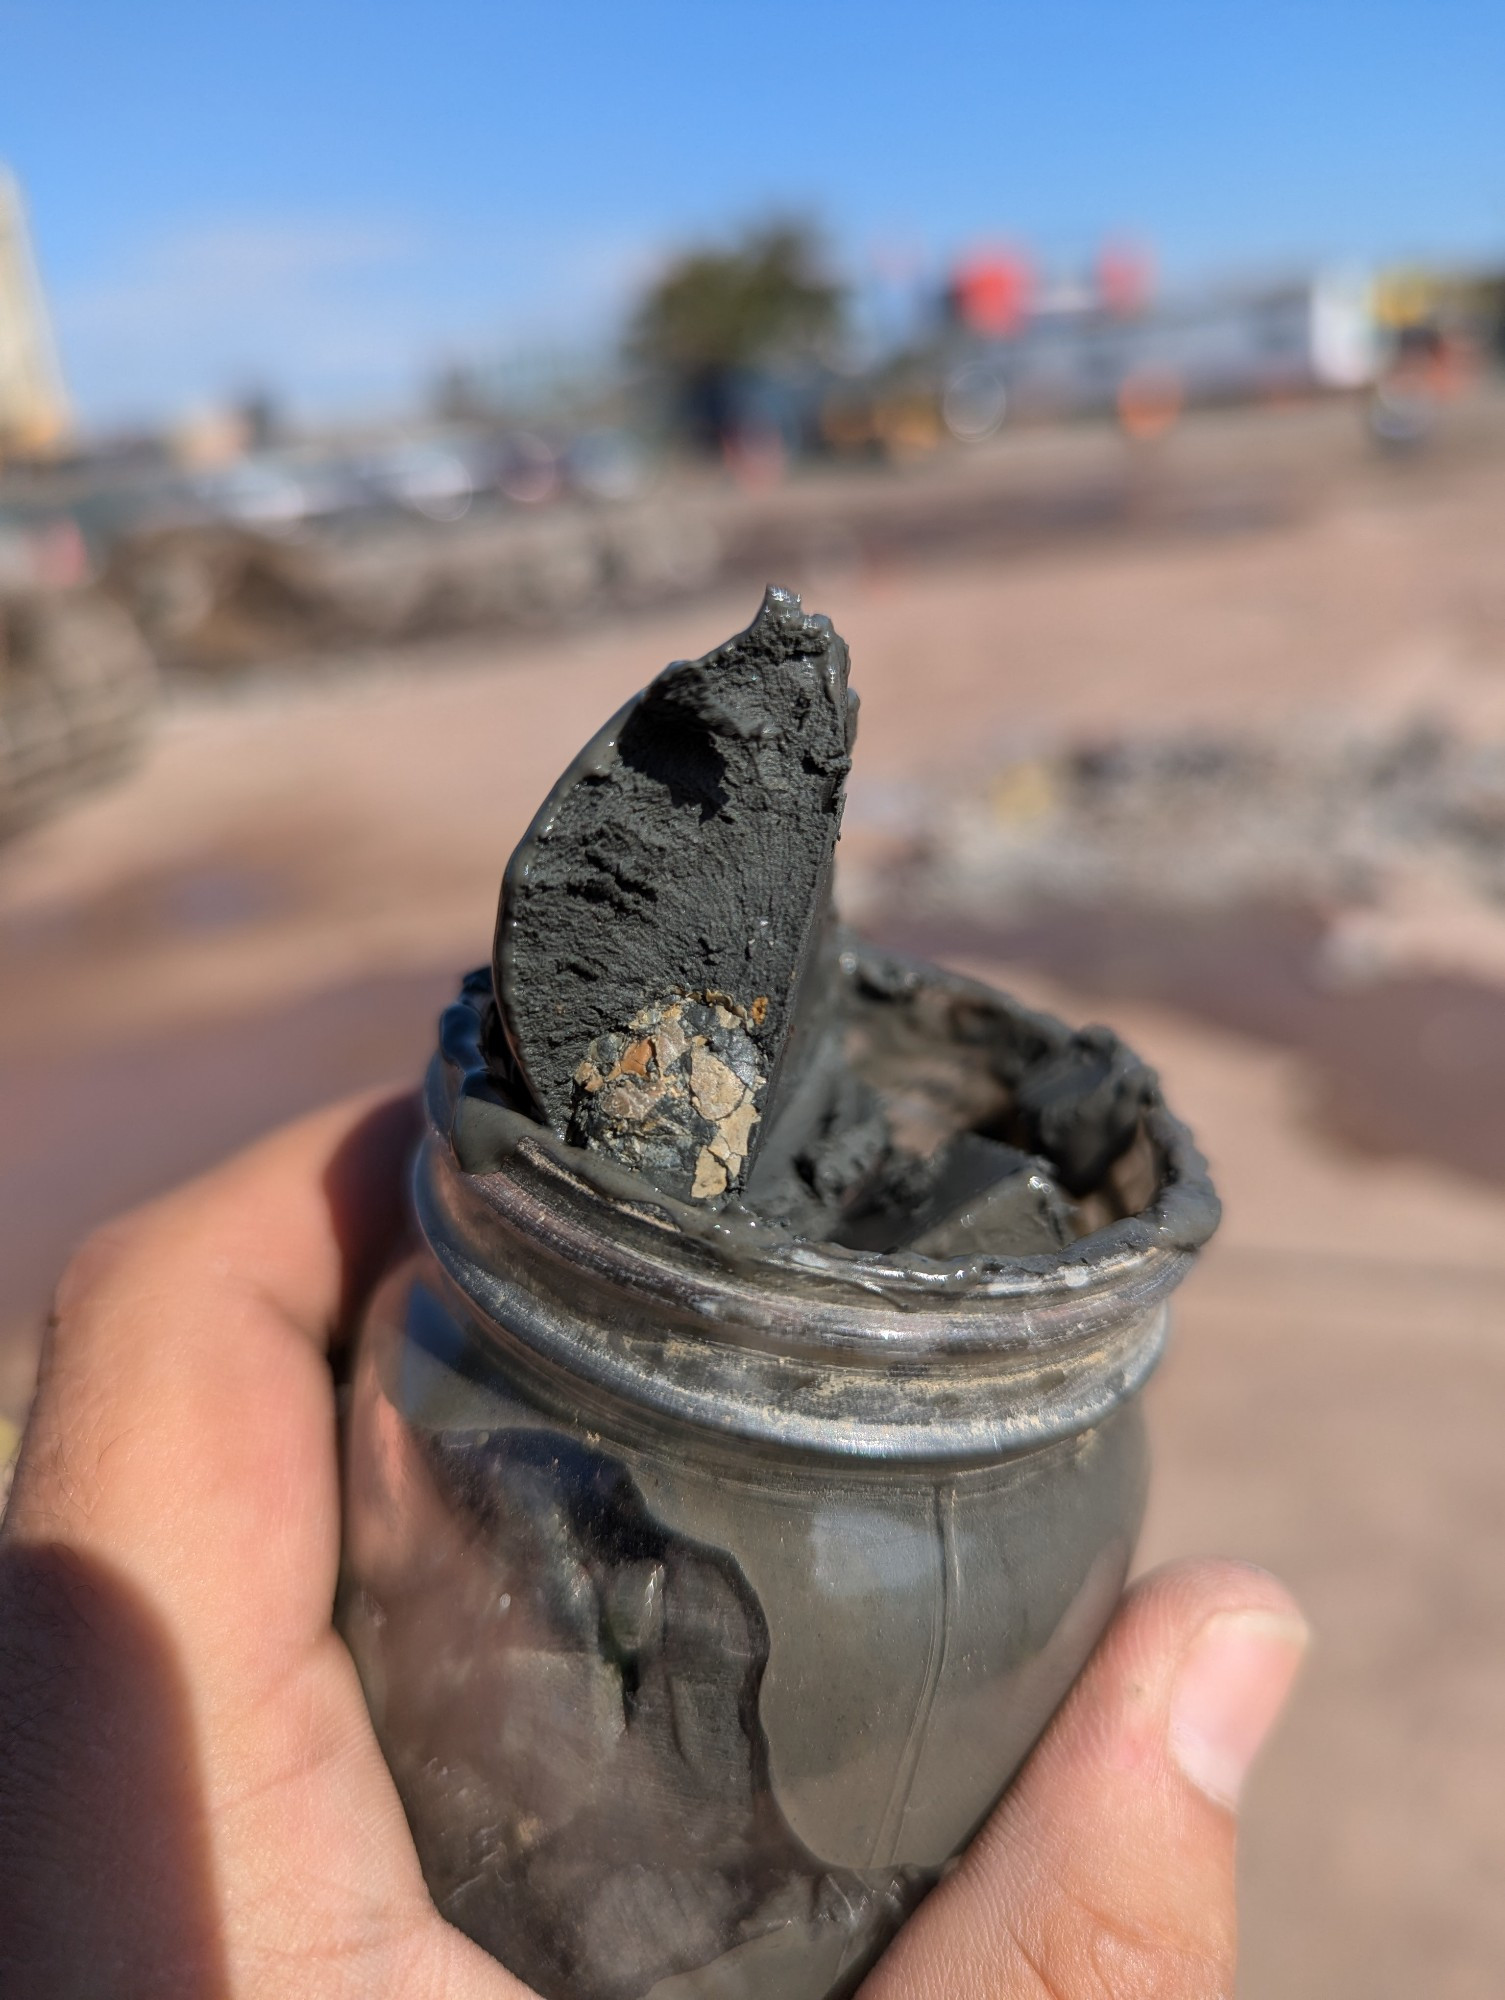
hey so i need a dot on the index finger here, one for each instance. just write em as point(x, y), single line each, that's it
point(183, 1428)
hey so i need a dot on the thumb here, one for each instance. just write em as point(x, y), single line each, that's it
point(1107, 1872)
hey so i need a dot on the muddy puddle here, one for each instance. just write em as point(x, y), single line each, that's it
point(1406, 1065)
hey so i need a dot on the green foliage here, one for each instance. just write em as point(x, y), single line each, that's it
point(765, 296)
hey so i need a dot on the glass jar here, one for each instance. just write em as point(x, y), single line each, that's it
point(706, 1591)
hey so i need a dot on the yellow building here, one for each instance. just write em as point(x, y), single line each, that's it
point(34, 414)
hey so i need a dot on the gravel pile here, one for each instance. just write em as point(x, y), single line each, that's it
point(1316, 817)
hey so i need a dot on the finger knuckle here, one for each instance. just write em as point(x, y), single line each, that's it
point(1128, 1966)
point(96, 1265)
point(1086, 1952)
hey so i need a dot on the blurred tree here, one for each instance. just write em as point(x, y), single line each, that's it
point(718, 319)
point(457, 395)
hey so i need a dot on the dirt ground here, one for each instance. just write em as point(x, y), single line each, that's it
point(270, 909)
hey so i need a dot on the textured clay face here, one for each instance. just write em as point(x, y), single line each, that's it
point(662, 919)
point(670, 985)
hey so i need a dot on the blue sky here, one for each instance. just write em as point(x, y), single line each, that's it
point(332, 197)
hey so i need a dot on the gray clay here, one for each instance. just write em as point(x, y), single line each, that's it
point(746, 1458)
point(991, 1197)
point(668, 986)
point(662, 923)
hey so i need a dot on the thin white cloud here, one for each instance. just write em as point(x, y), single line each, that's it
point(331, 312)
point(207, 273)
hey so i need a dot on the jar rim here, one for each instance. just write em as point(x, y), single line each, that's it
point(809, 1346)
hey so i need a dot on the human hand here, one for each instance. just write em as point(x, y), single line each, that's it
point(192, 1802)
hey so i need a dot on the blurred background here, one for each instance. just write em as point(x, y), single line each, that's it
point(385, 394)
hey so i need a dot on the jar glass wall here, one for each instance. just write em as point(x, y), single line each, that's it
point(705, 1607)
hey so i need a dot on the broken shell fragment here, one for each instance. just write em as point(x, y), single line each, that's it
point(715, 1090)
point(673, 1097)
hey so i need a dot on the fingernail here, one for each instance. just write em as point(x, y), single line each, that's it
point(1232, 1685)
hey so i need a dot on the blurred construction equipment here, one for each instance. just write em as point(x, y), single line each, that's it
point(217, 597)
point(77, 685)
